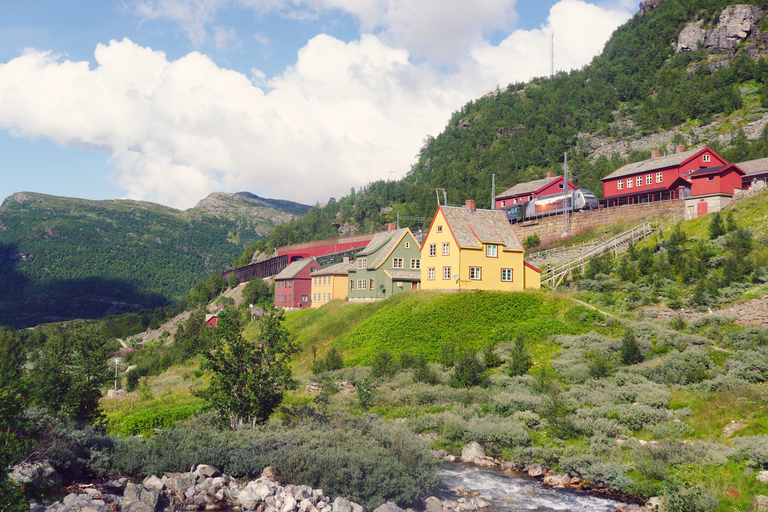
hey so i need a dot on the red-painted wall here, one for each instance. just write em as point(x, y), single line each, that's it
point(669, 175)
point(289, 292)
point(723, 183)
point(323, 247)
point(551, 188)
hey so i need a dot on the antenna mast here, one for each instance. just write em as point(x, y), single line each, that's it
point(566, 205)
point(552, 53)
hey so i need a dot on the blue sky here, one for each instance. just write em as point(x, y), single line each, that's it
point(170, 100)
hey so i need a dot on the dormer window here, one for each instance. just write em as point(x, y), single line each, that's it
point(491, 251)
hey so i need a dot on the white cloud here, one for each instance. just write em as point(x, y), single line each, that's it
point(342, 115)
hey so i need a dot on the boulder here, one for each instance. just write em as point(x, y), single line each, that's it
point(760, 503)
point(289, 504)
point(39, 474)
point(762, 477)
point(433, 504)
point(389, 507)
point(138, 499)
point(341, 505)
point(535, 470)
point(153, 482)
point(558, 480)
point(269, 473)
point(655, 503)
point(205, 471)
point(472, 451)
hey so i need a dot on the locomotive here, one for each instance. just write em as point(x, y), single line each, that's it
point(572, 200)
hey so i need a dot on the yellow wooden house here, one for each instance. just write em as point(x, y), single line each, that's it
point(329, 283)
point(470, 249)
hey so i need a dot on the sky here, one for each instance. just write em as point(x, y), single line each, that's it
point(170, 100)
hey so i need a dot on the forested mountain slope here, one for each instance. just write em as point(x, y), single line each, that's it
point(64, 258)
point(692, 71)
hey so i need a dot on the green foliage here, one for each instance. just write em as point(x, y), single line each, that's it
point(423, 373)
point(468, 371)
point(16, 439)
point(532, 241)
point(380, 462)
point(630, 350)
point(716, 227)
point(86, 259)
point(332, 360)
point(249, 377)
point(384, 365)
point(145, 422)
point(519, 359)
point(687, 498)
point(73, 367)
point(257, 292)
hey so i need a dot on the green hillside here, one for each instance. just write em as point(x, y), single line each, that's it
point(638, 85)
point(64, 258)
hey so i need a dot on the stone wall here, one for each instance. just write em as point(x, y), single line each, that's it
point(551, 227)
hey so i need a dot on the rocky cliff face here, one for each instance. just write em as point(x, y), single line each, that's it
point(736, 23)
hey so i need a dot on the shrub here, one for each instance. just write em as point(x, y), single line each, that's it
point(686, 498)
point(603, 474)
point(468, 372)
point(380, 462)
point(630, 350)
point(496, 433)
point(332, 360)
point(423, 373)
point(753, 449)
point(519, 359)
point(384, 365)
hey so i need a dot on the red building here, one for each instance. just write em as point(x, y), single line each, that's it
point(523, 192)
point(661, 177)
point(712, 189)
point(318, 248)
point(293, 286)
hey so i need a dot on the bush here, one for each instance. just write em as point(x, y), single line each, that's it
point(468, 372)
point(332, 360)
point(496, 433)
point(384, 365)
point(361, 458)
point(686, 498)
point(603, 474)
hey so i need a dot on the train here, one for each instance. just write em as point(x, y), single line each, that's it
point(553, 204)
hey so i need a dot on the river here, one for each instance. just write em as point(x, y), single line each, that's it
point(512, 494)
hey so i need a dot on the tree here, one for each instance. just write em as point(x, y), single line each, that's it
point(249, 377)
point(72, 369)
point(468, 372)
point(716, 227)
point(519, 359)
point(256, 291)
point(630, 351)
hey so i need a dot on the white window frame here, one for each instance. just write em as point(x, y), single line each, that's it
point(439, 229)
point(363, 284)
point(407, 245)
point(446, 273)
point(620, 184)
point(372, 284)
point(639, 181)
point(397, 263)
point(362, 263)
point(433, 249)
point(506, 275)
point(659, 177)
point(415, 263)
point(630, 182)
point(705, 158)
point(491, 251)
point(446, 248)
point(351, 284)
point(649, 179)
point(431, 273)
point(476, 273)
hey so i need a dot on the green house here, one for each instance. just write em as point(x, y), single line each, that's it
point(390, 264)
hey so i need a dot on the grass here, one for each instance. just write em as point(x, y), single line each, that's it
point(711, 412)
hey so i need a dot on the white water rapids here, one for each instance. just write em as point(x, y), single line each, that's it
point(512, 494)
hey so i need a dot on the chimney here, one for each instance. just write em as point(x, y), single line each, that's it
point(470, 205)
point(680, 148)
point(550, 175)
point(654, 154)
point(391, 227)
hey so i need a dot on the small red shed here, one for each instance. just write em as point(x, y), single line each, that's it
point(712, 189)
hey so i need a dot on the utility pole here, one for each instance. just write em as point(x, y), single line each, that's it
point(567, 205)
point(493, 191)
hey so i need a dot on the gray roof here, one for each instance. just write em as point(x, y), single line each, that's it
point(294, 268)
point(653, 164)
point(386, 239)
point(472, 229)
point(527, 187)
point(404, 275)
point(337, 269)
point(754, 166)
